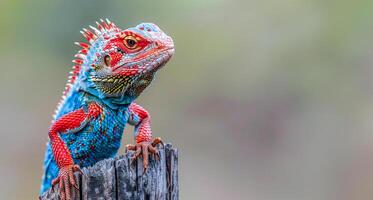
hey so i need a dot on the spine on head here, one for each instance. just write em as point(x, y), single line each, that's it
point(103, 28)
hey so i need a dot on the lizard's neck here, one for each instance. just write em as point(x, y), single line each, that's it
point(111, 102)
point(86, 87)
point(124, 98)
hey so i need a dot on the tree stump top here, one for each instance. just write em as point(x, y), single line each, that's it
point(118, 178)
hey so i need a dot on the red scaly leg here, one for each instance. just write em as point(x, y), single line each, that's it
point(144, 143)
point(73, 121)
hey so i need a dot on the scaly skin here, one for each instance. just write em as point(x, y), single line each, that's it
point(110, 72)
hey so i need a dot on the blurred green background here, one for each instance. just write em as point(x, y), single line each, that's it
point(264, 99)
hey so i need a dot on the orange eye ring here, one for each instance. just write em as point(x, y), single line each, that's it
point(130, 42)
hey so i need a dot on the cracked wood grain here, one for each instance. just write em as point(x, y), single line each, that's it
point(124, 178)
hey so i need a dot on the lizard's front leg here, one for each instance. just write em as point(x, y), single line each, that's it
point(140, 118)
point(71, 122)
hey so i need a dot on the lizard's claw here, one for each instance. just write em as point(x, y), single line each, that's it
point(144, 149)
point(156, 141)
point(66, 181)
point(130, 147)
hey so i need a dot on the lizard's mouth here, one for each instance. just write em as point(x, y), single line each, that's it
point(156, 60)
point(149, 62)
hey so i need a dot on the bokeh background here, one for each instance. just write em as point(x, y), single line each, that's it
point(264, 99)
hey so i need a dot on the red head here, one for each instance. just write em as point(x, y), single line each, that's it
point(122, 62)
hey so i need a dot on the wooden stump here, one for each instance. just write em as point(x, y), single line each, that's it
point(118, 178)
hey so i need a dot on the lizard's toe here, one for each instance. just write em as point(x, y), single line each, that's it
point(145, 149)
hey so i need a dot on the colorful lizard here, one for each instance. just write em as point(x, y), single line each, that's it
point(110, 72)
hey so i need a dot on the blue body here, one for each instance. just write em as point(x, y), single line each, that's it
point(99, 139)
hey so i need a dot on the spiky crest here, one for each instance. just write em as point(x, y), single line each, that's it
point(90, 35)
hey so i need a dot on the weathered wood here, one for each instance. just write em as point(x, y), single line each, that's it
point(172, 172)
point(126, 177)
point(152, 184)
point(122, 178)
point(99, 181)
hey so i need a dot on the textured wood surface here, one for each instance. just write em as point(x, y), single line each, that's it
point(118, 178)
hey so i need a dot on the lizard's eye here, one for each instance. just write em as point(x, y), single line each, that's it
point(130, 42)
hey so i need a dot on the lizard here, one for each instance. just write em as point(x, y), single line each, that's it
point(110, 71)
